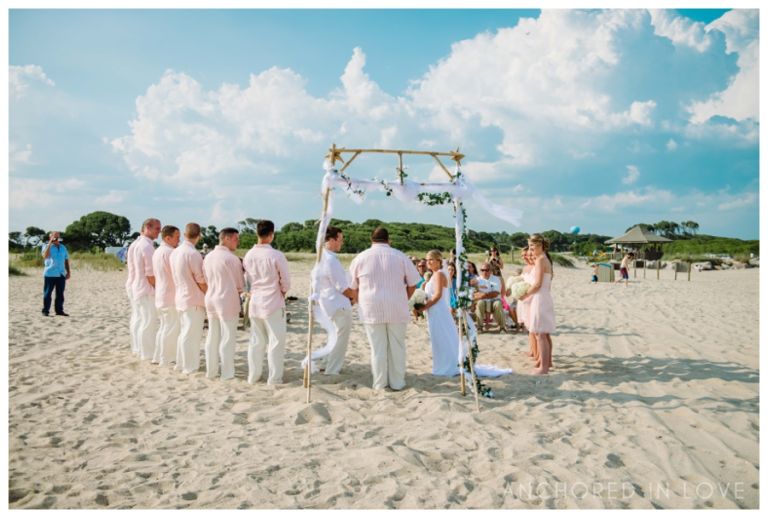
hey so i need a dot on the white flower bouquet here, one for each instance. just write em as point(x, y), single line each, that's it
point(418, 300)
point(518, 289)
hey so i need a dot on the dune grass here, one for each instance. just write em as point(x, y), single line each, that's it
point(13, 270)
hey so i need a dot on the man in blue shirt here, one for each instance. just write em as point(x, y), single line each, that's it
point(55, 274)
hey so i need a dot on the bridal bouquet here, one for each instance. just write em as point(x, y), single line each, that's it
point(418, 300)
point(518, 289)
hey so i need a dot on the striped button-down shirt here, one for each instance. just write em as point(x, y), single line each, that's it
point(187, 269)
point(267, 272)
point(140, 267)
point(382, 274)
point(165, 290)
point(224, 276)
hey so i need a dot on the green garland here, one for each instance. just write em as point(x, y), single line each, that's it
point(464, 300)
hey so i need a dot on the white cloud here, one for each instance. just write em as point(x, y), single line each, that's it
point(20, 78)
point(672, 145)
point(740, 100)
point(611, 202)
point(633, 173)
point(19, 156)
point(111, 198)
point(739, 202)
point(29, 192)
point(680, 30)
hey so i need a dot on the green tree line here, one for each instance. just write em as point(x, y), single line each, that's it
point(97, 230)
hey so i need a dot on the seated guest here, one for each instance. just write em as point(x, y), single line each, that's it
point(488, 297)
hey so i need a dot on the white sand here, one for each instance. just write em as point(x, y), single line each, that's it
point(653, 402)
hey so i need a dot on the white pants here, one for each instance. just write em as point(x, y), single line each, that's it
point(267, 333)
point(146, 327)
point(222, 337)
point(167, 336)
point(342, 320)
point(133, 327)
point(190, 334)
point(387, 354)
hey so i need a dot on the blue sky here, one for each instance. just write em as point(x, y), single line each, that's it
point(596, 118)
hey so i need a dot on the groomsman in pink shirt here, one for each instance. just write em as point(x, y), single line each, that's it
point(385, 279)
point(165, 291)
point(187, 269)
point(267, 273)
point(224, 275)
point(141, 283)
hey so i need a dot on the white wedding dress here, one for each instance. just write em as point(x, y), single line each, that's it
point(443, 334)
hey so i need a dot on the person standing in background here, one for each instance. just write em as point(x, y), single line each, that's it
point(56, 273)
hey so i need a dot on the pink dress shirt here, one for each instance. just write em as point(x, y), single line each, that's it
point(224, 276)
point(140, 267)
point(164, 288)
point(266, 269)
point(187, 269)
point(382, 273)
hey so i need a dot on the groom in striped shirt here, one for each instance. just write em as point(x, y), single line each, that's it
point(385, 279)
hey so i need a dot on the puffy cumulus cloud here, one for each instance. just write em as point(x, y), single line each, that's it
point(20, 79)
point(183, 132)
point(740, 100)
point(527, 81)
point(680, 30)
point(633, 173)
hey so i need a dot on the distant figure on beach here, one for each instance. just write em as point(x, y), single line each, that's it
point(224, 276)
point(165, 294)
point(56, 273)
point(141, 290)
point(189, 279)
point(443, 336)
point(541, 308)
point(334, 297)
point(385, 279)
point(624, 268)
point(595, 270)
point(266, 270)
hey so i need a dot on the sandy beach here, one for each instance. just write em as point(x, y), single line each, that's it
point(653, 403)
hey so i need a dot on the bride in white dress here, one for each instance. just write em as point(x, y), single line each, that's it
point(443, 334)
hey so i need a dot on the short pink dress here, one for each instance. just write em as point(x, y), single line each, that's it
point(540, 316)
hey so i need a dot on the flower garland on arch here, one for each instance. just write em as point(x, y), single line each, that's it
point(431, 194)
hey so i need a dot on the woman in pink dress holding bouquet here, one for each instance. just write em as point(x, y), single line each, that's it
point(540, 317)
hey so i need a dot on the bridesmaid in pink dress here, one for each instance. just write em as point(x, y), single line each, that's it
point(541, 309)
point(522, 305)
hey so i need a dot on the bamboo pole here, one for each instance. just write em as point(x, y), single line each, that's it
point(676, 270)
point(462, 379)
point(349, 162)
point(689, 272)
point(308, 368)
point(434, 155)
point(400, 171)
point(471, 366)
point(452, 154)
point(658, 268)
